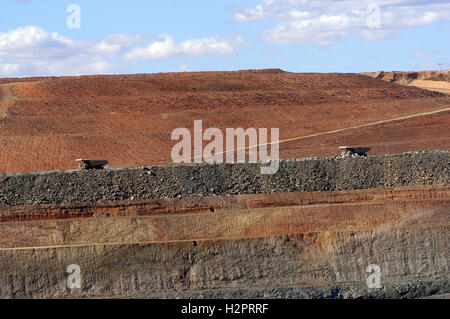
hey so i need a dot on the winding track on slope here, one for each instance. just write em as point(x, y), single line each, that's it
point(405, 117)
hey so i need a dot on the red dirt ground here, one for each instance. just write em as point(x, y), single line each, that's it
point(46, 123)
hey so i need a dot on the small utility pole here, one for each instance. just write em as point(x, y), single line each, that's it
point(440, 66)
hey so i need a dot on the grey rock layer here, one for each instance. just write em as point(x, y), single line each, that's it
point(419, 168)
point(413, 263)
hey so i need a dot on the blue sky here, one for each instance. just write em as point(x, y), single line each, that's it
point(137, 36)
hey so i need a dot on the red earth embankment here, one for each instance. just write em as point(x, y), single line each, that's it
point(46, 123)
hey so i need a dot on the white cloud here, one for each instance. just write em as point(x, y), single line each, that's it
point(31, 50)
point(433, 65)
point(181, 68)
point(324, 29)
point(166, 47)
point(184, 68)
point(251, 14)
point(424, 53)
point(117, 43)
point(28, 42)
point(327, 21)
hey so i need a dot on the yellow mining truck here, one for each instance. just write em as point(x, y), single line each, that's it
point(90, 164)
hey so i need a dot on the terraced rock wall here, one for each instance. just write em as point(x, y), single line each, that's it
point(311, 230)
point(413, 262)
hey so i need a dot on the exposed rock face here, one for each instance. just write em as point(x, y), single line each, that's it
point(438, 81)
point(309, 231)
point(241, 217)
point(407, 77)
point(414, 262)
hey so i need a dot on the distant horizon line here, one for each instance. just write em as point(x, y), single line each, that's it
point(212, 71)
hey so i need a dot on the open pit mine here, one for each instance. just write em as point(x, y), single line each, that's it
point(324, 225)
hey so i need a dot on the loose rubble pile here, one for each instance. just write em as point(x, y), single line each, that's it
point(326, 174)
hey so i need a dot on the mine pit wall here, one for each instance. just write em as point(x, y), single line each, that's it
point(413, 261)
point(216, 203)
point(315, 250)
point(252, 216)
point(315, 244)
point(329, 174)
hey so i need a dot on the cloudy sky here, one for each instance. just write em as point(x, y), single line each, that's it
point(57, 37)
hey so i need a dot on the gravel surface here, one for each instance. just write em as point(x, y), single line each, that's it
point(311, 174)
